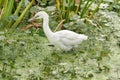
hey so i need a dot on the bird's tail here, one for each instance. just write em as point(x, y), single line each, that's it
point(84, 37)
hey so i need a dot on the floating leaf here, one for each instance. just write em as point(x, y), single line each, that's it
point(2, 38)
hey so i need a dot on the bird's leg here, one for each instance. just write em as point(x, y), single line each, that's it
point(51, 45)
point(53, 49)
point(67, 52)
point(72, 51)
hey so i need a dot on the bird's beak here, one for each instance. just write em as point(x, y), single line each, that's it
point(31, 19)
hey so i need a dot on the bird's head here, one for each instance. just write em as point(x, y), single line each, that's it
point(39, 15)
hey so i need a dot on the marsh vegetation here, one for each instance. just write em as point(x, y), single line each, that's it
point(25, 53)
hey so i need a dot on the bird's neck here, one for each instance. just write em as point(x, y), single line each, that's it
point(46, 27)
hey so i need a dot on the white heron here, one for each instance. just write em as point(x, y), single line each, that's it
point(64, 39)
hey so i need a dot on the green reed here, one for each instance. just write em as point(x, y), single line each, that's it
point(71, 7)
point(8, 9)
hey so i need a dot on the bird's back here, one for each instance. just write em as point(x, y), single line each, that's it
point(70, 38)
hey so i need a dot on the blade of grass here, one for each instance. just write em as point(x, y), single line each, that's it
point(10, 7)
point(1, 3)
point(86, 7)
point(16, 12)
point(59, 25)
point(18, 7)
point(96, 9)
point(72, 4)
point(21, 16)
point(67, 13)
point(63, 8)
point(79, 6)
point(7, 11)
point(58, 5)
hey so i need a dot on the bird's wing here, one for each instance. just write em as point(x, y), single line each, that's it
point(68, 38)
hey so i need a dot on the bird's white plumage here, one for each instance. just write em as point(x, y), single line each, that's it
point(64, 39)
